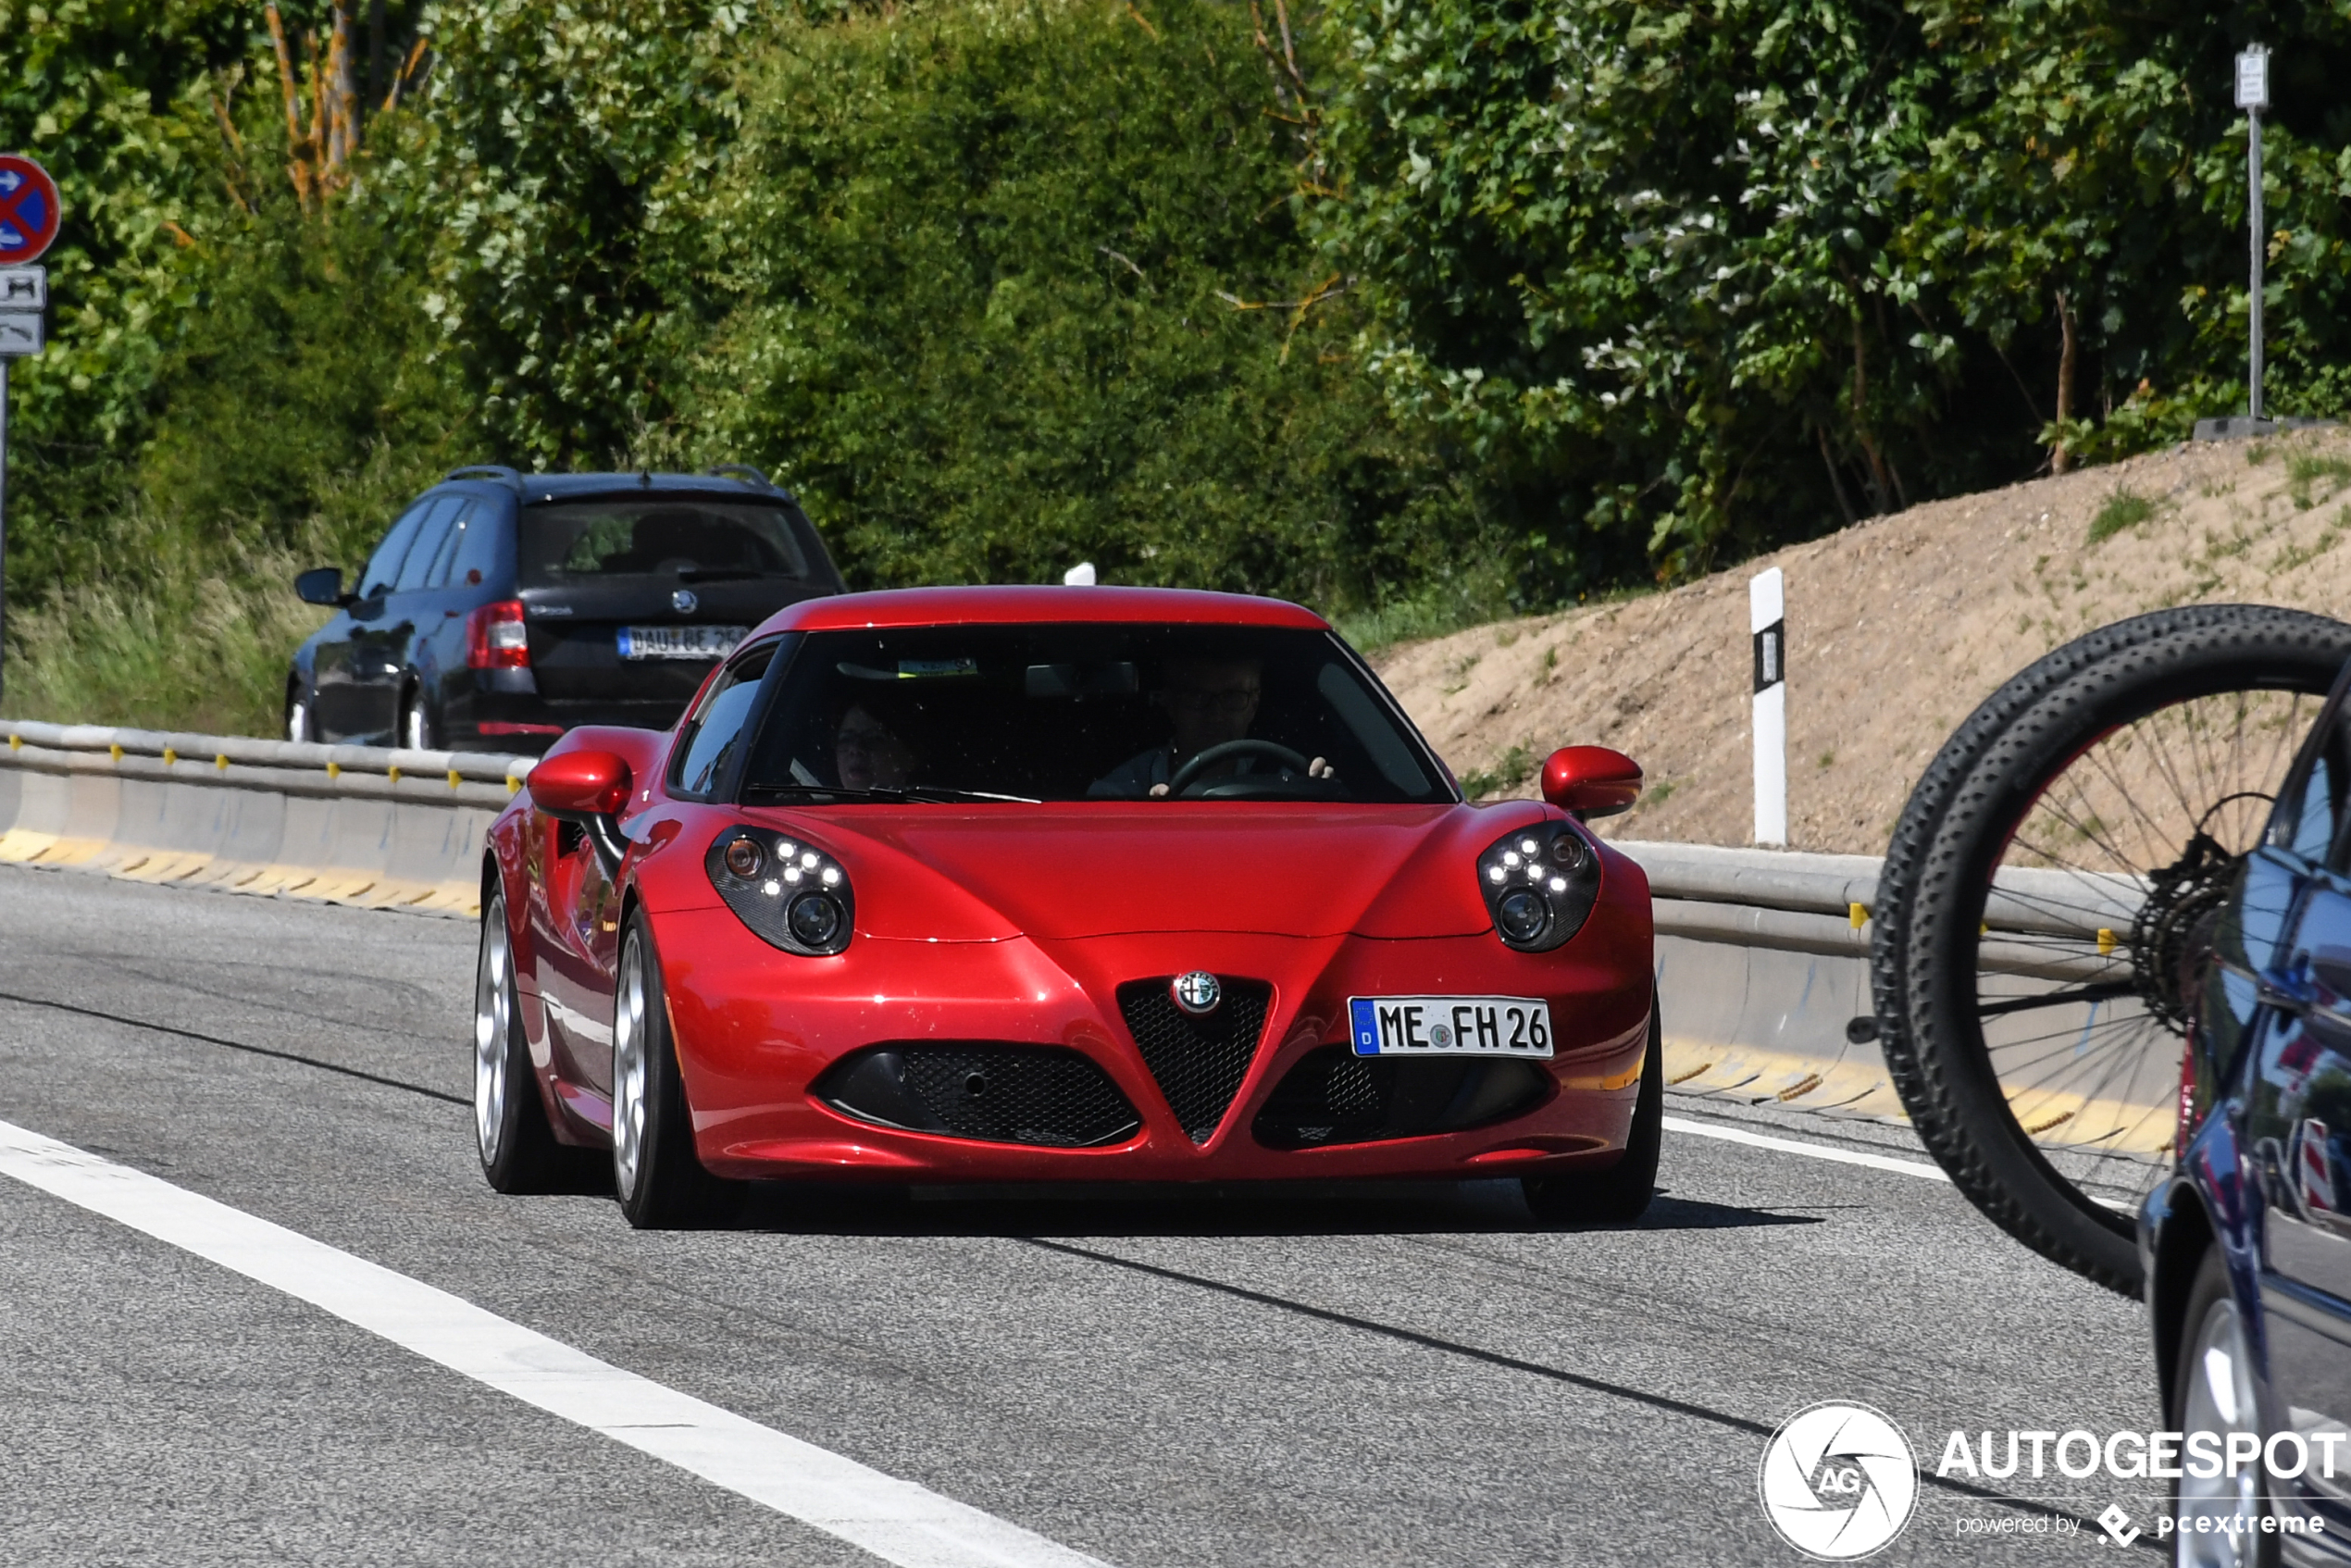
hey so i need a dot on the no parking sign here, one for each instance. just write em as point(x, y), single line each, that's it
point(29, 211)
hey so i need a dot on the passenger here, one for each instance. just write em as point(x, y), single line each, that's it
point(868, 753)
point(1209, 703)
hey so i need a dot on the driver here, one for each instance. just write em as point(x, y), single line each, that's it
point(868, 753)
point(1209, 703)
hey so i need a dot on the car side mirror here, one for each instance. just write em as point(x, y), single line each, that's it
point(580, 784)
point(1589, 781)
point(323, 585)
point(588, 788)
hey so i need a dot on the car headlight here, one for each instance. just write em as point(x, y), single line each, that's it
point(1539, 884)
point(791, 893)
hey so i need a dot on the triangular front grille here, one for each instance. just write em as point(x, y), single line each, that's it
point(1199, 1062)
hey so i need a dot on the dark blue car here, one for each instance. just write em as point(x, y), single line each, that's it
point(2247, 1247)
point(503, 609)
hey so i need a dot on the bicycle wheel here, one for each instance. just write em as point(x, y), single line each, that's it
point(2047, 899)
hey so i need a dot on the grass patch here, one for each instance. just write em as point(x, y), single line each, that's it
point(1515, 768)
point(200, 641)
point(1439, 609)
point(2306, 471)
point(2297, 556)
point(2123, 509)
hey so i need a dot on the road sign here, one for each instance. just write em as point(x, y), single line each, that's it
point(24, 288)
point(20, 336)
point(2252, 78)
point(29, 209)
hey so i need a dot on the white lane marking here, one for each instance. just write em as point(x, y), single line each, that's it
point(895, 1520)
point(1811, 1150)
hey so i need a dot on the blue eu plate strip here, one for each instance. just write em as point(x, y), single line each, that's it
point(1366, 1025)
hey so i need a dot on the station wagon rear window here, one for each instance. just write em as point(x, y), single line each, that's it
point(664, 538)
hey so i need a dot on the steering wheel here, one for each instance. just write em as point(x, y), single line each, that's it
point(1189, 773)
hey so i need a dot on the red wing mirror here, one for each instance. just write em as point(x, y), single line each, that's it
point(1585, 781)
point(580, 784)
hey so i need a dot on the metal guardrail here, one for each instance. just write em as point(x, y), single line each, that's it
point(379, 827)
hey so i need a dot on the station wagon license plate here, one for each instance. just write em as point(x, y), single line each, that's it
point(680, 641)
point(1449, 1026)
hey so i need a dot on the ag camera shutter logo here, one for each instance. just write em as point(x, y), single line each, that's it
point(1838, 1481)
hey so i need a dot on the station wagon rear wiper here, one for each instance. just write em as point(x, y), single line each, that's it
point(912, 792)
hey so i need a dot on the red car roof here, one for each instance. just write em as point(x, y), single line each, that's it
point(1031, 604)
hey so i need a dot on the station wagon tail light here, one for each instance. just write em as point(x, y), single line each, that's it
point(791, 893)
point(495, 636)
point(1539, 883)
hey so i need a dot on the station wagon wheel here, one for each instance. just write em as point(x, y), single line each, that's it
point(2046, 908)
point(298, 722)
point(416, 724)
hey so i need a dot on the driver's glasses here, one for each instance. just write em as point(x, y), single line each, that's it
point(1231, 702)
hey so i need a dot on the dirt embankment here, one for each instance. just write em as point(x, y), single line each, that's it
point(1896, 628)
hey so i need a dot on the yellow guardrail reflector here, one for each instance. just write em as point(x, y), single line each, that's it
point(334, 770)
point(220, 761)
point(115, 751)
point(2106, 943)
point(1861, 915)
point(393, 772)
point(512, 784)
point(456, 778)
point(169, 756)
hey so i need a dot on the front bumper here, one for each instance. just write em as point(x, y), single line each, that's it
point(756, 1028)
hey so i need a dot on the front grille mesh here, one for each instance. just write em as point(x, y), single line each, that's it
point(1198, 1063)
point(1000, 1093)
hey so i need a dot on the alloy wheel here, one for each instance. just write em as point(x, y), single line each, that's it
point(2219, 1398)
point(628, 1068)
point(493, 1022)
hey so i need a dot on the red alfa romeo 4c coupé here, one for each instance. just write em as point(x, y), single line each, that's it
point(1040, 884)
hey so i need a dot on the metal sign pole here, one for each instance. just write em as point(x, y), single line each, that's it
point(2253, 96)
point(2253, 152)
point(29, 214)
point(4, 527)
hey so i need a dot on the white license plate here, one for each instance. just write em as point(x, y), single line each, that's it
point(1449, 1026)
point(680, 641)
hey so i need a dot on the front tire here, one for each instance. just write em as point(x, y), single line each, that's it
point(660, 1181)
point(2212, 1390)
point(517, 1147)
point(300, 728)
point(417, 731)
point(1620, 1194)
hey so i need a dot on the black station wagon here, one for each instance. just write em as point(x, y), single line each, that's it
point(504, 608)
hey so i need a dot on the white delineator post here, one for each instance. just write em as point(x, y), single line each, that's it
point(1766, 622)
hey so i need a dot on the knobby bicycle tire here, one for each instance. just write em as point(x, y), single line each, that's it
point(1931, 947)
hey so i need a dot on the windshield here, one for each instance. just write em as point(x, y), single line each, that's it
point(669, 537)
point(1085, 712)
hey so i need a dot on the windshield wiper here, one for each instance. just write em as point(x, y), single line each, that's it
point(927, 792)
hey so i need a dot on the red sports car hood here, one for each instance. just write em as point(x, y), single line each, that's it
point(1103, 869)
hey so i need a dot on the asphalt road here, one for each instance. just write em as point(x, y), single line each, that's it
point(1343, 1376)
